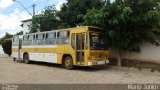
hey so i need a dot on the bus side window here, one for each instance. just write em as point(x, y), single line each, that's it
point(50, 38)
point(27, 37)
point(35, 40)
point(40, 39)
point(15, 41)
point(31, 39)
point(67, 37)
point(73, 40)
point(25, 40)
point(58, 38)
point(63, 37)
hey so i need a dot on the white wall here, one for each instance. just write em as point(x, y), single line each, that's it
point(25, 27)
point(149, 53)
point(1, 50)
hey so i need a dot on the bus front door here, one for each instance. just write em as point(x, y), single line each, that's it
point(80, 38)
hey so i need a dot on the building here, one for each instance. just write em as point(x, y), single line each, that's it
point(25, 25)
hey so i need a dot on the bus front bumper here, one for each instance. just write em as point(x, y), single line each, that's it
point(98, 63)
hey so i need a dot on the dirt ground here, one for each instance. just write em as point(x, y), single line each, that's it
point(44, 73)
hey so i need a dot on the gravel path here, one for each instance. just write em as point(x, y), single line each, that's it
point(43, 73)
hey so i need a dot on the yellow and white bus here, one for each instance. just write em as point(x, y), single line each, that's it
point(81, 46)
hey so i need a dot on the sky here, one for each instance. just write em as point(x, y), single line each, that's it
point(12, 13)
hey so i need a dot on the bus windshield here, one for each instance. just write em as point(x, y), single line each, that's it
point(98, 41)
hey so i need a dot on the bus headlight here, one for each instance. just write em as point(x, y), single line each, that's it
point(91, 58)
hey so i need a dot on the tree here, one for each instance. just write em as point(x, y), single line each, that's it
point(128, 23)
point(73, 11)
point(7, 35)
point(71, 14)
point(19, 33)
point(45, 21)
point(7, 44)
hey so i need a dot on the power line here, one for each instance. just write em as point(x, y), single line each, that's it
point(34, 5)
point(22, 6)
point(31, 6)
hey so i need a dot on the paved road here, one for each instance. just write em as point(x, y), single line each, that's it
point(42, 73)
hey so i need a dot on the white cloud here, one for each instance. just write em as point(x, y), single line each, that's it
point(58, 6)
point(57, 3)
point(11, 23)
point(5, 3)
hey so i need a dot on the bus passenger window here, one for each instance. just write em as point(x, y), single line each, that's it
point(30, 40)
point(66, 37)
point(25, 40)
point(40, 39)
point(15, 41)
point(50, 38)
point(63, 37)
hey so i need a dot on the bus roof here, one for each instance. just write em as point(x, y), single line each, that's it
point(58, 30)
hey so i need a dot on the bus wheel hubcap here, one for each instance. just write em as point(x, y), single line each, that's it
point(68, 62)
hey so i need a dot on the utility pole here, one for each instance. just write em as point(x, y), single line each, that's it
point(33, 9)
point(33, 6)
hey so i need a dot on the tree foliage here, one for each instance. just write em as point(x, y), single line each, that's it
point(45, 21)
point(19, 33)
point(70, 15)
point(7, 46)
point(129, 22)
point(73, 11)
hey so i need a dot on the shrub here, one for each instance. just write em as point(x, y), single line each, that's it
point(7, 45)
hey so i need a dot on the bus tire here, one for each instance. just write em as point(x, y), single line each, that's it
point(26, 59)
point(14, 59)
point(68, 63)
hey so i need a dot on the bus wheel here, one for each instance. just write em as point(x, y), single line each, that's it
point(14, 59)
point(68, 63)
point(26, 58)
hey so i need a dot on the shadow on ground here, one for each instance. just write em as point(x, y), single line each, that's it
point(79, 68)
